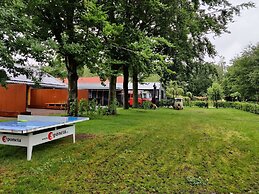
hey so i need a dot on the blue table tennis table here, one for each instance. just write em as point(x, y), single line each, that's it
point(29, 131)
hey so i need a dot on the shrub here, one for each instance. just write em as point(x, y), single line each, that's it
point(83, 106)
point(91, 109)
point(112, 110)
point(224, 105)
point(189, 94)
point(147, 105)
point(187, 101)
point(165, 103)
point(73, 108)
point(245, 106)
point(201, 104)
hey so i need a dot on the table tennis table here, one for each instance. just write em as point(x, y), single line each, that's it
point(28, 131)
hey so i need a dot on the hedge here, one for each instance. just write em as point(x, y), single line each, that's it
point(245, 106)
point(186, 102)
point(201, 104)
point(166, 103)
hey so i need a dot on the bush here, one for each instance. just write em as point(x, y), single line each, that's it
point(201, 104)
point(147, 105)
point(113, 108)
point(166, 103)
point(245, 106)
point(91, 109)
point(187, 101)
point(73, 108)
point(83, 106)
point(224, 105)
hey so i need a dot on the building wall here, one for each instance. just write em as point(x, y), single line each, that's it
point(41, 97)
point(12, 100)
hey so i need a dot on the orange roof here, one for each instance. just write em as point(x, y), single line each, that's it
point(94, 80)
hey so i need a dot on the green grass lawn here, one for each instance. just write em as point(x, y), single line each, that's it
point(138, 151)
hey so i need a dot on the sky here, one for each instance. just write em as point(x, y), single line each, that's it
point(244, 31)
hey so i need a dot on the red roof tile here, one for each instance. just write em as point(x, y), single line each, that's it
point(95, 80)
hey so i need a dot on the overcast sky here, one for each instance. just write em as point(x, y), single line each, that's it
point(244, 31)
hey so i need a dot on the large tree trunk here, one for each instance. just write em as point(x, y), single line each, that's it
point(72, 108)
point(112, 89)
point(126, 87)
point(112, 95)
point(135, 88)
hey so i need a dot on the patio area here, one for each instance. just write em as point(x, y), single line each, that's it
point(36, 111)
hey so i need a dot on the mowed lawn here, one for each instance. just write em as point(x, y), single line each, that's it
point(138, 151)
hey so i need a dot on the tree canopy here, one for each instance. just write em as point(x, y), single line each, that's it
point(243, 75)
point(186, 27)
point(215, 92)
point(17, 46)
point(135, 37)
point(46, 28)
point(183, 25)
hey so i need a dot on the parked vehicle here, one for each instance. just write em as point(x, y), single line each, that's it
point(178, 103)
point(142, 97)
point(146, 96)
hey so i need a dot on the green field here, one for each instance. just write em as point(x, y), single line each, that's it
point(139, 151)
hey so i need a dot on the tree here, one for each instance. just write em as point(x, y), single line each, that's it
point(56, 68)
point(183, 24)
point(70, 28)
point(155, 35)
point(137, 49)
point(147, 60)
point(186, 24)
point(243, 75)
point(111, 62)
point(17, 45)
point(200, 78)
point(173, 90)
point(215, 93)
point(221, 68)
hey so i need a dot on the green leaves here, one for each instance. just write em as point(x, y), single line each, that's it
point(186, 25)
point(243, 75)
point(215, 92)
point(3, 77)
point(112, 29)
point(93, 14)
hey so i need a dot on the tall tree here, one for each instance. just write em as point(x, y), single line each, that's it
point(243, 75)
point(17, 45)
point(134, 46)
point(200, 78)
point(182, 23)
point(71, 26)
point(215, 93)
point(186, 25)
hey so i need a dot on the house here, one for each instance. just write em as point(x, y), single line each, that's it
point(22, 93)
point(99, 90)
